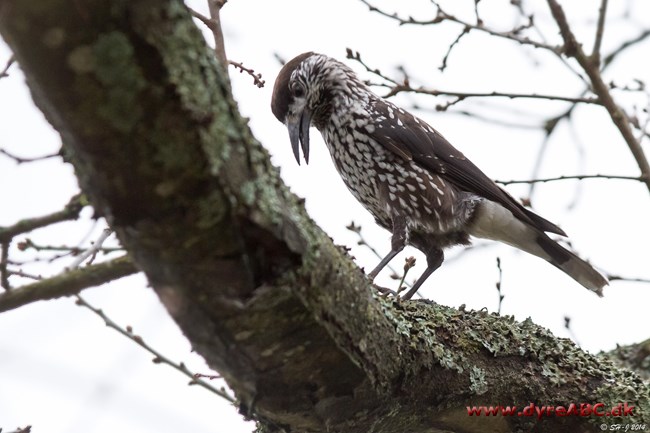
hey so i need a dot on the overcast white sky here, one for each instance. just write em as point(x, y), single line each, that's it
point(62, 370)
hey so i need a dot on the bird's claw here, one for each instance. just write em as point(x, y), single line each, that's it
point(385, 291)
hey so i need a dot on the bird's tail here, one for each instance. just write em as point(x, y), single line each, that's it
point(495, 222)
point(569, 263)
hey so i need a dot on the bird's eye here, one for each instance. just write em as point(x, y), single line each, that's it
point(298, 91)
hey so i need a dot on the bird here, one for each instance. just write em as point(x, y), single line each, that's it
point(406, 174)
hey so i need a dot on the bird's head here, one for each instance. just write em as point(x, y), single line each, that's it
point(305, 93)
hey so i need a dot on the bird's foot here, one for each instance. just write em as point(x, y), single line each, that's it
point(385, 291)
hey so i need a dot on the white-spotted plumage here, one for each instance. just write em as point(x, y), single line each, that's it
point(405, 173)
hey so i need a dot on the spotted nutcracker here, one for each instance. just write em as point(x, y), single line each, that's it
point(415, 184)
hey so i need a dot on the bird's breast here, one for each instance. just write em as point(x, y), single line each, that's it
point(357, 159)
point(388, 185)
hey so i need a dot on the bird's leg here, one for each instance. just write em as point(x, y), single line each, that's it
point(398, 242)
point(435, 258)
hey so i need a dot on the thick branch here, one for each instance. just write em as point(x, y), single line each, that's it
point(67, 284)
point(635, 357)
point(259, 290)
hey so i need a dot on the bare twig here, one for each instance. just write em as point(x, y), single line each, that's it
point(21, 160)
point(643, 129)
point(69, 212)
point(460, 96)
point(608, 59)
point(27, 429)
point(409, 263)
point(27, 243)
point(20, 273)
point(208, 376)
point(498, 285)
point(574, 177)
point(5, 70)
point(67, 284)
point(219, 47)
point(488, 119)
point(158, 357)
point(208, 22)
point(465, 31)
point(356, 56)
point(441, 16)
point(600, 29)
point(213, 22)
point(573, 49)
point(549, 127)
point(91, 252)
point(4, 261)
point(396, 87)
point(63, 251)
point(611, 277)
point(567, 326)
point(257, 77)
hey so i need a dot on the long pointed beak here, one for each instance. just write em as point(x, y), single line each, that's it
point(299, 133)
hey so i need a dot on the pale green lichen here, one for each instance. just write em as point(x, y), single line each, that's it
point(478, 382)
point(422, 332)
point(625, 387)
point(81, 59)
point(54, 37)
point(262, 192)
point(190, 73)
point(116, 68)
point(445, 334)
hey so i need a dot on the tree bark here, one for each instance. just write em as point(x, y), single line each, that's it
point(157, 142)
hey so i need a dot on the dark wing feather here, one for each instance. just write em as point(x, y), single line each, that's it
point(413, 139)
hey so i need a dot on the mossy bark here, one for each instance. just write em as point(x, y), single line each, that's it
point(158, 145)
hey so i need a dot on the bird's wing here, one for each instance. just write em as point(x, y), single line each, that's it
point(413, 139)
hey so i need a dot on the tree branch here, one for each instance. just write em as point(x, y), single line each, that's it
point(612, 277)
point(159, 358)
point(21, 160)
point(260, 291)
point(396, 87)
point(214, 24)
point(257, 77)
point(574, 49)
point(67, 284)
point(574, 177)
point(91, 252)
point(5, 70)
point(69, 212)
point(625, 45)
point(600, 30)
point(441, 16)
point(464, 95)
point(4, 261)
point(27, 429)
point(635, 357)
point(219, 48)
